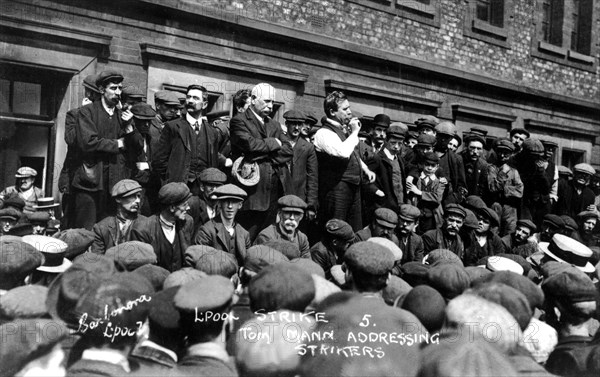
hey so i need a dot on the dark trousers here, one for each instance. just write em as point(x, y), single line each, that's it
point(89, 208)
point(342, 202)
point(255, 221)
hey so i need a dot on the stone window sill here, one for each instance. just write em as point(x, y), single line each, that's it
point(553, 49)
point(573, 55)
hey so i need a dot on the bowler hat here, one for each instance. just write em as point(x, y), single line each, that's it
point(381, 120)
point(519, 131)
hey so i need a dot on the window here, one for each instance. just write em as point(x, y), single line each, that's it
point(572, 157)
point(424, 11)
point(491, 11)
point(565, 33)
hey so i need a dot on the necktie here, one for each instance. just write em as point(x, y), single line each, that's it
point(196, 128)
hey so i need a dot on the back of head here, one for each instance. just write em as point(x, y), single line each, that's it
point(281, 286)
point(370, 265)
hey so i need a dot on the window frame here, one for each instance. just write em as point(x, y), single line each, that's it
point(486, 31)
point(428, 14)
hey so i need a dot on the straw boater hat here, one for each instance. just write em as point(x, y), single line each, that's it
point(566, 250)
point(53, 251)
point(245, 172)
point(45, 203)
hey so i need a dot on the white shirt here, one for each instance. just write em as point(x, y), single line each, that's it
point(169, 231)
point(151, 344)
point(192, 121)
point(388, 154)
point(109, 110)
point(261, 120)
point(328, 142)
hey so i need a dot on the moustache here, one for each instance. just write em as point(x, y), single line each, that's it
point(290, 222)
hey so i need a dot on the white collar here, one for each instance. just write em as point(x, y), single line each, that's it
point(107, 356)
point(388, 154)
point(162, 219)
point(209, 349)
point(431, 177)
point(191, 120)
point(151, 344)
point(261, 120)
point(107, 109)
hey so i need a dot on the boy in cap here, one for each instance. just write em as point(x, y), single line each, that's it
point(410, 242)
point(100, 145)
point(577, 196)
point(205, 354)
point(447, 236)
point(427, 193)
point(391, 173)
point(336, 239)
point(291, 211)
point(170, 231)
point(383, 225)
point(506, 189)
point(23, 188)
point(525, 229)
point(114, 230)
point(222, 232)
point(426, 125)
point(451, 164)
point(304, 168)
point(130, 96)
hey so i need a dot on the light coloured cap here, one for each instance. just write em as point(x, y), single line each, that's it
point(584, 168)
point(496, 263)
point(26, 171)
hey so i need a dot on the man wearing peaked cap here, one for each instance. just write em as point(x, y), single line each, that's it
point(410, 242)
point(336, 239)
point(206, 207)
point(391, 172)
point(223, 232)
point(114, 230)
point(39, 221)
point(23, 188)
point(157, 355)
point(577, 196)
point(8, 219)
point(132, 254)
point(588, 220)
point(525, 229)
point(477, 170)
point(518, 136)
point(171, 230)
point(507, 187)
point(483, 241)
point(426, 125)
point(384, 224)
point(132, 95)
point(19, 259)
point(447, 236)
point(291, 211)
point(304, 169)
point(551, 225)
point(571, 300)
point(368, 266)
point(205, 353)
point(167, 106)
point(451, 164)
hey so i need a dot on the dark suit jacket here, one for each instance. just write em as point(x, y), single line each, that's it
point(476, 176)
point(384, 181)
point(97, 147)
point(151, 232)
point(413, 250)
point(214, 234)
point(173, 156)
point(258, 142)
point(106, 230)
point(305, 173)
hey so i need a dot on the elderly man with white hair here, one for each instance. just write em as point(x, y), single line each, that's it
point(259, 139)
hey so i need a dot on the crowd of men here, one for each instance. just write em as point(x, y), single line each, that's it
point(195, 243)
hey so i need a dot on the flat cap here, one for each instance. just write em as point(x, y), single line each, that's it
point(10, 213)
point(20, 230)
point(450, 279)
point(528, 224)
point(162, 314)
point(584, 168)
point(290, 249)
point(109, 75)
point(369, 258)
point(143, 111)
point(38, 218)
point(311, 118)
point(439, 256)
point(428, 121)
point(455, 209)
point(519, 131)
point(570, 223)
point(476, 272)
point(431, 158)
point(25, 340)
point(570, 286)
point(386, 217)
point(294, 116)
point(490, 215)
point(309, 266)
point(125, 187)
point(426, 140)
point(496, 263)
point(215, 262)
point(549, 144)
point(28, 301)
point(563, 170)
point(511, 299)
point(381, 120)
point(588, 214)
point(156, 275)
point(532, 291)
point(174, 193)
point(132, 254)
point(229, 191)
point(183, 276)
point(25, 171)
point(260, 256)
point(428, 305)
point(479, 131)
point(504, 144)
point(470, 221)
point(132, 91)
point(412, 134)
point(339, 229)
point(474, 137)
point(533, 146)
point(90, 82)
point(18, 259)
point(397, 130)
point(554, 220)
point(395, 289)
point(167, 97)
point(291, 203)
point(389, 245)
point(414, 273)
point(268, 291)
point(409, 212)
point(14, 201)
point(78, 241)
point(209, 293)
point(212, 175)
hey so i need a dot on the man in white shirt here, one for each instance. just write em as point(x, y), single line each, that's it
point(340, 167)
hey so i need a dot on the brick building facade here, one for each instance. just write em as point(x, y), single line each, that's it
point(493, 63)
